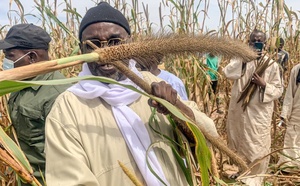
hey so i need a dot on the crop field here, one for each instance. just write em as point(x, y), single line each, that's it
point(238, 18)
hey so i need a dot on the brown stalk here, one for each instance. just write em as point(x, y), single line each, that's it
point(243, 175)
point(145, 49)
point(215, 141)
point(24, 174)
point(172, 44)
point(214, 166)
point(130, 175)
point(33, 70)
point(251, 87)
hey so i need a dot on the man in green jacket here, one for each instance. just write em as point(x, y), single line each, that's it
point(26, 44)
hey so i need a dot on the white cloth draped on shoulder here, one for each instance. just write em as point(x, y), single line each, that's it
point(129, 123)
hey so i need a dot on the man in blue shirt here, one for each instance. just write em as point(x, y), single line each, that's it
point(174, 81)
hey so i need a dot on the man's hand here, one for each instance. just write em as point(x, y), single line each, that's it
point(258, 80)
point(164, 91)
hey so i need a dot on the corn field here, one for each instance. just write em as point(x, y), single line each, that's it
point(237, 20)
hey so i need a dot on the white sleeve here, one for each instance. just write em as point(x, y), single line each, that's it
point(289, 94)
point(234, 69)
point(273, 89)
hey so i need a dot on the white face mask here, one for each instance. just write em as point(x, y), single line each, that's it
point(10, 64)
point(7, 64)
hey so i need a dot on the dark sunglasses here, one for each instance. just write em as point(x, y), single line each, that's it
point(93, 44)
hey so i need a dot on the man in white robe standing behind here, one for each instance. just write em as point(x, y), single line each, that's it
point(290, 114)
point(249, 129)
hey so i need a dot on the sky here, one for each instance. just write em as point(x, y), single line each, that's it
point(83, 5)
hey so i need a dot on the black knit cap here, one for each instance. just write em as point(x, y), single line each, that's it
point(103, 12)
point(26, 36)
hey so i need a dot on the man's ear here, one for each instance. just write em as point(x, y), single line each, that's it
point(33, 57)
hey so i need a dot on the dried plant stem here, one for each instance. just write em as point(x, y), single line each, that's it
point(132, 76)
point(172, 44)
point(214, 166)
point(215, 141)
point(250, 88)
point(243, 175)
point(44, 67)
point(271, 175)
point(33, 70)
point(24, 174)
point(130, 175)
point(145, 49)
point(21, 73)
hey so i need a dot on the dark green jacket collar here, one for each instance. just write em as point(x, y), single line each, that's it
point(40, 78)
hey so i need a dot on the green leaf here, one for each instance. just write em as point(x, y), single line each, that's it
point(9, 144)
point(220, 182)
point(201, 150)
point(8, 86)
point(174, 146)
point(52, 16)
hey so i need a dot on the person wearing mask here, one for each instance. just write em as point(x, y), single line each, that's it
point(249, 128)
point(103, 123)
point(27, 44)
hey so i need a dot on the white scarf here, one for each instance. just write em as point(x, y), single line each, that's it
point(130, 124)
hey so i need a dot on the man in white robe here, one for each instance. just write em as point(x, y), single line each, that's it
point(290, 114)
point(93, 126)
point(249, 130)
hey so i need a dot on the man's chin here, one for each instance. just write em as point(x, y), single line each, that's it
point(117, 76)
point(123, 77)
